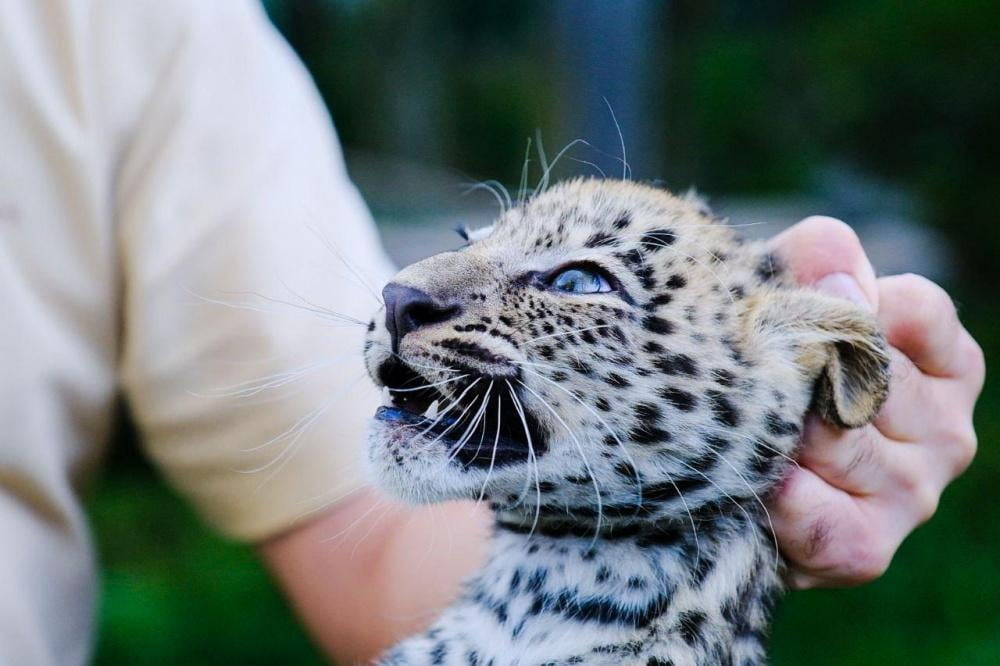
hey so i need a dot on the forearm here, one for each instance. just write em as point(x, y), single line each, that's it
point(370, 571)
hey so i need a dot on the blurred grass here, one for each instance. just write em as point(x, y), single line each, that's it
point(174, 593)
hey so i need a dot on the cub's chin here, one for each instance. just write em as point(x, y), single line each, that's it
point(414, 469)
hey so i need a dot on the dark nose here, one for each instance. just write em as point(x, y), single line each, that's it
point(407, 309)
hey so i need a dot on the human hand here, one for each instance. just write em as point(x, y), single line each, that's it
point(842, 515)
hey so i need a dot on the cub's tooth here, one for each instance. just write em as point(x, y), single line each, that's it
point(432, 411)
point(386, 396)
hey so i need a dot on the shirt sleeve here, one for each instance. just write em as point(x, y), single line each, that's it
point(249, 267)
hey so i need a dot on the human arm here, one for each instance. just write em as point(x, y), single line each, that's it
point(371, 571)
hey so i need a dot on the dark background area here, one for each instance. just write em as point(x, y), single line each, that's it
point(884, 113)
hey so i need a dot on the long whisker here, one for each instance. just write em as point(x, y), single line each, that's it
point(519, 408)
point(583, 456)
point(626, 170)
point(473, 424)
point(251, 387)
point(523, 188)
point(427, 386)
point(570, 332)
point(493, 455)
point(322, 313)
point(504, 204)
point(454, 403)
point(777, 556)
point(354, 272)
point(381, 502)
point(544, 182)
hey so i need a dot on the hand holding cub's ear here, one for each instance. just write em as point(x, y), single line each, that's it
point(841, 517)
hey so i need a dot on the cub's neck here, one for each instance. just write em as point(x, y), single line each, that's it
point(635, 593)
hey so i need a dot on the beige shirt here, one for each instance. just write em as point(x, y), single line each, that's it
point(158, 158)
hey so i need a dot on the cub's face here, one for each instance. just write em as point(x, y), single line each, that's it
point(607, 349)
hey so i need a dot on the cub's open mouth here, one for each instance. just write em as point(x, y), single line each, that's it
point(479, 419)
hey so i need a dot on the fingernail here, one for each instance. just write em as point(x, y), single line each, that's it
point(842, 285)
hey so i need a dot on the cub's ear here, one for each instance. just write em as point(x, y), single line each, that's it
point(833, 341)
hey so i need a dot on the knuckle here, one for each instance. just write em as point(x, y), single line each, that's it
point(918, 493)
point(870, 555)
point(925, 502)
point(963, 442)
point(925, 300)
point(870, 563)
point(975, 361)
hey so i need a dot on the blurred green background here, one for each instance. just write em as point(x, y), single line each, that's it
point(884, 113)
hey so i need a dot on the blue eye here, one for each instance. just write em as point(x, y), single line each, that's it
point(581, 281)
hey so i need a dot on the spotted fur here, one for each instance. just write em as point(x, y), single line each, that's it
point(630, 527)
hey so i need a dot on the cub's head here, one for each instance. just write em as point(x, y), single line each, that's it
point(607, 352)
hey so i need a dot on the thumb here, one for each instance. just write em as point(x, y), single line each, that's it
point(821, 246)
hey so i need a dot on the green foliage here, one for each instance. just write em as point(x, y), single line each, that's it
point(175, 594)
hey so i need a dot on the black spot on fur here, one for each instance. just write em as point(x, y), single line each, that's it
point(647, 412)
point(723, 377)
point(676, 281)
point(636, 583)
point(657, 325)
point(778, 426)
point(601, 239)
point(679, 398)
point(656, 240)
point(602, 404)
point(658, 300)
point(626, 470)
point(616, 380)
point(676, 364)
point(723, 409)
point(689, 625)
point(537, 580)
point(647, 434)
point(653, 347)
point(768, 268)
point(657, 661)
point(645, 272)
point(439, 653)
point(471, 350)
point(631, 259)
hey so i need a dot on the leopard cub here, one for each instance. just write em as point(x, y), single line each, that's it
point(622, 379)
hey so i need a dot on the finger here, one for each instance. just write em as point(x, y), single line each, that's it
point(853, 460)
point(912, 409)
point(819, 246)
point(825, 533)
point(970, 366)
point(919, 319)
